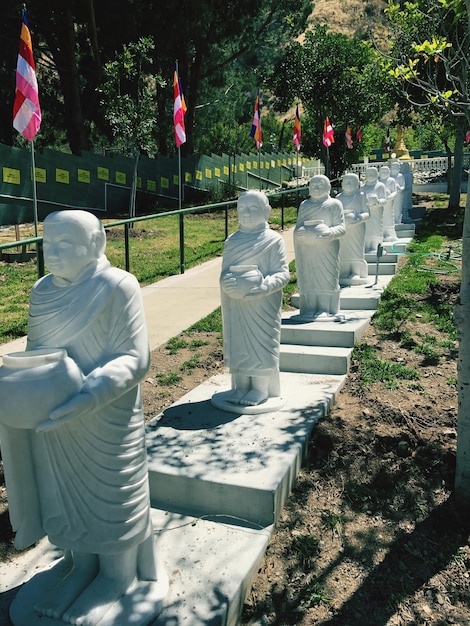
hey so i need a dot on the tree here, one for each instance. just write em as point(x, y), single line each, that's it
point(331, 74)
point(436, 72)
point(429, 60)
point(249, 36)
point(129, 99)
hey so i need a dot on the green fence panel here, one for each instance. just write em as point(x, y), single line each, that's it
point(103, 183)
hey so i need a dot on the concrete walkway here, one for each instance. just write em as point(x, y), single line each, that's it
point(220, 480)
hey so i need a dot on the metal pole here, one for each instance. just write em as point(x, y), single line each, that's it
point(126, 246)
point(181, 217)
point(39, 262)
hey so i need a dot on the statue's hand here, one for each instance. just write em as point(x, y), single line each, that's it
point(262, 290)
point(229, 283)
point(322, 231)
point(77, 406)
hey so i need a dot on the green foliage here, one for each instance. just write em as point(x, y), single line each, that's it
point(314, 593)
point(16, 281)
point(210, 323)
point(129, 98)
point(291, 286)
point(168, 378)
point(175, 344)
point(372, 369)
point(334, 523)
point(191, 364)
point(324, 65)
point(429, 56)
point(307, 548)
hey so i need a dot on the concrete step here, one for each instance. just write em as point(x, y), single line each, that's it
point(314, 359)
point(387, 257)
point(384, 268)
point(205, 461)
point(211, 564)
point(336, 334)
point(405, 230)
point(357, 297)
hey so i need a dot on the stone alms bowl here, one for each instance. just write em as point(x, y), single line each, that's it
point(248, 276)
point(33, 383)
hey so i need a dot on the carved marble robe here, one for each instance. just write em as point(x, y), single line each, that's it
point(252, 326)
point(317, 259)
point(85, 483)
point(352, 244)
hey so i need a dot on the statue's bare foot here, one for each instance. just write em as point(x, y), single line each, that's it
point(91, 606)
point(254, 397)
point(65, 592)
point(236, 395)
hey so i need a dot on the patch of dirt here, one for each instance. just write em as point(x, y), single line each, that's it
point(370, 535)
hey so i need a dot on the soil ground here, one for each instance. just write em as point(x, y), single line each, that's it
point(370, 535)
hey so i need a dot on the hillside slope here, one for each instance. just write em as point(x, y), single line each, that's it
point(352, 17)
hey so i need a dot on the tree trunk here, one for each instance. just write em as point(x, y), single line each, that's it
point(454, 196)
point(65, 60)
point(462, 320)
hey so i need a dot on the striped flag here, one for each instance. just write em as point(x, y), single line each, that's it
point(348, 137)
point(26, 109)
point(387, 141)
point(328, 133)
point(297, 130)
point(359, 133)
point(179, 110)
point(256, 132)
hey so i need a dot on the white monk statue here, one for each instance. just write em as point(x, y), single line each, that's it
point(376, 197)
point(254, 271)
point(405, 169)
point(80, 477)
point(320, 224)
point(353, 266)
point(399, 179)
point(390, 194)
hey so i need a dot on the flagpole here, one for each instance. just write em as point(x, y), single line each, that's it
point(39, 258)
point(180, 194)
point(297, 166)
point(181, 219)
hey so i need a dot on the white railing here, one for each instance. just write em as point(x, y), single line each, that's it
point(434, 164)
point(313, 169)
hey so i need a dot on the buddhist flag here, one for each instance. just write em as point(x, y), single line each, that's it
point(256, 132)
point(328, 133)
point(297, 130)
point(387, 141)
point(26, 109)
point(348, 137)
point(179, 110)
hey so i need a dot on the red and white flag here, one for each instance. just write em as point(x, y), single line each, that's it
point(328, 133)
point(297, 130)
point(348, 137)
point(388, 145)
point(179, 110)
point(26, 109)
point(256, 131)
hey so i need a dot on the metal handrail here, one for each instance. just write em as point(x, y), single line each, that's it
point(143, 218)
